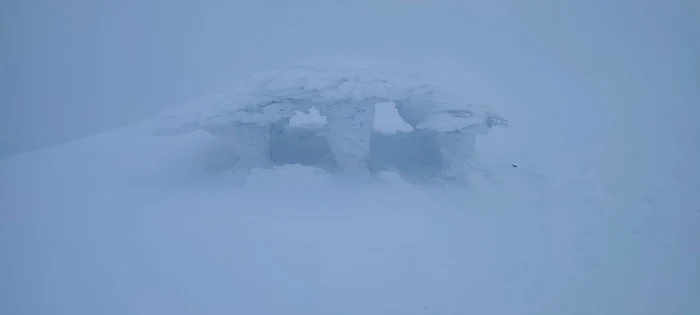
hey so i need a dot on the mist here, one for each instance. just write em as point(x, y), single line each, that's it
point(587, 203)
point(78, 67)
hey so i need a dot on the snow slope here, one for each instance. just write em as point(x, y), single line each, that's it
point(130, 223)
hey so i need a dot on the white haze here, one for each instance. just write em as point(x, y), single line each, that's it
point(601, 215)
point(72, 68)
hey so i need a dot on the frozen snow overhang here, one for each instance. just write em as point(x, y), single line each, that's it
point(278, 94)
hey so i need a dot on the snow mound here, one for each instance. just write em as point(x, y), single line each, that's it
point(252, 116)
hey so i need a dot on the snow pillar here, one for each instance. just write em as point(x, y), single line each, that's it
point(349, 132)
point(457, 147)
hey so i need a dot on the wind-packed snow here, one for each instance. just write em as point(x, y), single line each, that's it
point(128, 222)
point(250, 113)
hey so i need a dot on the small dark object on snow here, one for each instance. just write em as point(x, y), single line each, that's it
point(514, 165)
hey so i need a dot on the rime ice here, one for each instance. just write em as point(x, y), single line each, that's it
point(251, 115)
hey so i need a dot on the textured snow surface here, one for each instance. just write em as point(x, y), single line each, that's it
point(268, 96)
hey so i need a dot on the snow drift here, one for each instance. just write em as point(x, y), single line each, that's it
point(253, 116)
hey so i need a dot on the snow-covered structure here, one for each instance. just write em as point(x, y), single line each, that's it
point(254, 114)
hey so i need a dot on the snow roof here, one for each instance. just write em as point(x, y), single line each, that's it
point(268, 96)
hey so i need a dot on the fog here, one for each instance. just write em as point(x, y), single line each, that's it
point(586, 204)
point(628, 69)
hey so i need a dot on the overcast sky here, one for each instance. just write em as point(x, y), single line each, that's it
point(72, 68)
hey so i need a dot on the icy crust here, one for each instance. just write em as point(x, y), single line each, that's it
point(269, 96)
point(251, 113)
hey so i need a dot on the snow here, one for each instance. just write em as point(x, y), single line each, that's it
point(128, 222)
point(387, 119)
point(269, 96)
point(308, 120)
point(250, 113)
